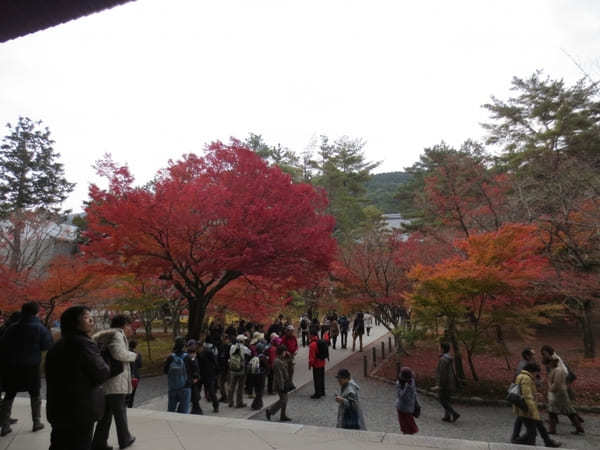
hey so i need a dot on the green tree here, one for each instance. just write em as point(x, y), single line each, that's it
point(31, 179)
point(549, 133)
point(342, 170)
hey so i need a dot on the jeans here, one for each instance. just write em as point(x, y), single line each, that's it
point(115, 407)
point(180, 400)
point(334, 341)
point(319, 380)
point(210, 387)
point(75, 437)
point(344, 335)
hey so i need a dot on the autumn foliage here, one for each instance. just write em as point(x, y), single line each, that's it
point(208, 221)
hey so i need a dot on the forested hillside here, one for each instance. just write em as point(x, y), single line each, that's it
point(382, 187)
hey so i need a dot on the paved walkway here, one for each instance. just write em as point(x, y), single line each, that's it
point(479, 423)
point(170, 431)
point(302, 377)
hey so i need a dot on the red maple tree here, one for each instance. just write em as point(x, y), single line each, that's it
point(205, 222)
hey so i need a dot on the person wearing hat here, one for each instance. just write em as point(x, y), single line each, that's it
point(238, 356)
point(406, 401)
point(350, 414)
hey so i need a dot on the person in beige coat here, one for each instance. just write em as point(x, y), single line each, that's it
point(117, 387)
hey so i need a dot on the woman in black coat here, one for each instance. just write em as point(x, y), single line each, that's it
point(75, 371)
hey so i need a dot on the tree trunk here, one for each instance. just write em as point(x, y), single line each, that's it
point(197, 311)
point(458, 365)
point(471, 365)
point(589, 343)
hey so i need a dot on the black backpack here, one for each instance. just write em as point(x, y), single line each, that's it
point(115, 366)
point(322, 349)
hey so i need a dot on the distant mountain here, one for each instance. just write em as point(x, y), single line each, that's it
point(382, 188)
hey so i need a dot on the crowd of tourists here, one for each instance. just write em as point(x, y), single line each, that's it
point(92, 378)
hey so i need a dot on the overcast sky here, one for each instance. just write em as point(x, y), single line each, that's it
point(154, 79)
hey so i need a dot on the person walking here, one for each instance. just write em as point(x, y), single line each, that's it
point(259, 375)
point(21, 350)
point(281, 383)
point(358, 330)
point(344, 326)
point(272, 353)
point(350, 414)
point(527, 355)
point(75, 371)
point(446, 383)
point(238, 356)
point(209, 370)
point(530, 417)
point(407, 402)
point(13, 318)
point(368, 323)
point(317, 354)
point(558, 397)
point(135, 373)
point(304, 323)
point(334, 332)
point(117, 387)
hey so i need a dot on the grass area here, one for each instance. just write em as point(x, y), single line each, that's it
point(154, 353)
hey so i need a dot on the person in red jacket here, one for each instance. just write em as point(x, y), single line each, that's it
point(318, 367)
point(291, 343)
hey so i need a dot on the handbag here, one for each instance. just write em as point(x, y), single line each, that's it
point(417, 411)
point(514, 396)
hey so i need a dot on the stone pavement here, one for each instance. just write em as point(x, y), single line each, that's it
point(480, 423)
point(170, 431)
point(302, 377)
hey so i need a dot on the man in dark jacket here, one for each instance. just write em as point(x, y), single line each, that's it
point(281, 381)
point(75, 371)
point(344, 326)
point(223, 358)
point(447, 382)
point(21, 355)
point(209, 370)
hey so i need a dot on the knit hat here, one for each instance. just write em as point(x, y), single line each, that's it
point(406, 374)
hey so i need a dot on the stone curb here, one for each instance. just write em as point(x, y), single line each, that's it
point(478, 401)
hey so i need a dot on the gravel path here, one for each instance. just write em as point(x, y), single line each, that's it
point(377, 399)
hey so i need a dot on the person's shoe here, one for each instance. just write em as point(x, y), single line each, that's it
point(216, 410)
point(285, 419)
point(231, 405)
point(446, 419)
point(37, 426)
point(129, 444)
point(455, 417)
point(268, 413)
point(553, 444)
point(5, 430)
point(12, 421)
point(315, 396)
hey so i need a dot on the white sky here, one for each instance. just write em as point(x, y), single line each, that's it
point(153, 79)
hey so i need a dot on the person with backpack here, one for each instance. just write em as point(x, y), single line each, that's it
point(358, 330)
point(258, 366)
point(304, 324)
point(21, 350)
point(344, 326)
point(117, 387)
point(530, 416)
point(223, 358)
point(407, 403)
point(350, 414)
point(281, 383)
point(446, 382)
point(527, 356)
point(75, 371)
point(181, 375)
point(318, 352)
point(238, 355)
point(135, 373)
